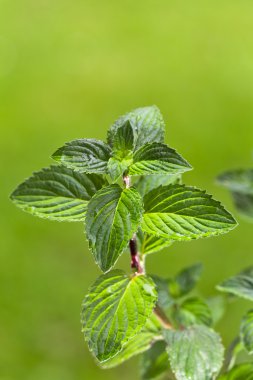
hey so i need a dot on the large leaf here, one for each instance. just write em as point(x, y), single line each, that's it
point(246, 331)
point(182, 213)
point(240, 285)
point(193, 311)
point(155, 361)
point(115, 309)
point(149, 182)
point(185, 280)
point(84, 155)
point(113, 216)
point(195, 353)
point(149, 243)
point(147, 123)
point(240, 372)
point(157, 158)
point(57, 193)
point(140, 343)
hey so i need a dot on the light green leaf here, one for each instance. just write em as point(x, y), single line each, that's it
point(246, 331)
point(155, 361)
point(180, 212)
point(240, 285)
point(84, 155)
point(185, 280)
point(195, 353)
point(138, 344)
point(157, 158)
point(116, 309)
point(239, 181)
point(193, 311)
point(117, 168)
point(149, 243)
point(149, 182)
point(147, 123)
point(57, 193)
point(240, 372)
point(113, 216)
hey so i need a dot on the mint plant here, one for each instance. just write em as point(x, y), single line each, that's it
point(129, 194)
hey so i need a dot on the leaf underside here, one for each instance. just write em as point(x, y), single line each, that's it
point(115, 310)
point(195, 353)
point(180, 212)
point(113, 216)
point(57, 193)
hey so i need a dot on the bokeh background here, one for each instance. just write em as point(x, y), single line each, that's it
point(68, 69)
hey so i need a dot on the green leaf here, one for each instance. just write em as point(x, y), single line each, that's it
point(137, 345)
point(155, 361)
point(244, 204)
point(123, 142)
point(149, 182)
point(164, 298)
point(57, 193)
point(185, 280)
point(116, 168)
point(84, 155)
point(113, 216)
point(193, 311)
point(180, 212)
point(149, 243)
point(240, 285)
point(240, 372)
point(147, 123)
point(157, 158)
point(116, 309)
point(246, 331)
point(195, 353)
point(239, 181)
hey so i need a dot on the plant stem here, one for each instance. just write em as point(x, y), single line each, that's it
point(162, 317)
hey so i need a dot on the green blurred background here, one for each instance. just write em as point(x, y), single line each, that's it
point(68, 69)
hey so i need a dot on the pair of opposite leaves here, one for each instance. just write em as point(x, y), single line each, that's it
point(78, 189)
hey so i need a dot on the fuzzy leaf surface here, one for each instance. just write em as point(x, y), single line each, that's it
point(113, 216)
point(195, 353)
point(57, 193)
point(147, 123)
point(181, 212)
point(115, 309)
point(84, 155)
point(157, 158)
point(246, 331)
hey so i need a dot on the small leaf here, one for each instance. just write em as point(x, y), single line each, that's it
point(149, 182)
point(155, 361)
point(239, 181)
point(246, 331)
point(113, 216)
point(240, 285)
point(57, 193)
point(137, 345)
point(147, 123)
point(115, 310)
point(193, 311)
point(157, 158)
point(180, 212)
point(186, 280)
point(116, 168)
point(164, 298)
point(240, 372)
point(124, 139)
point(195, 353)
point(244, 204)
point(149, 243)
point(84, 155)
